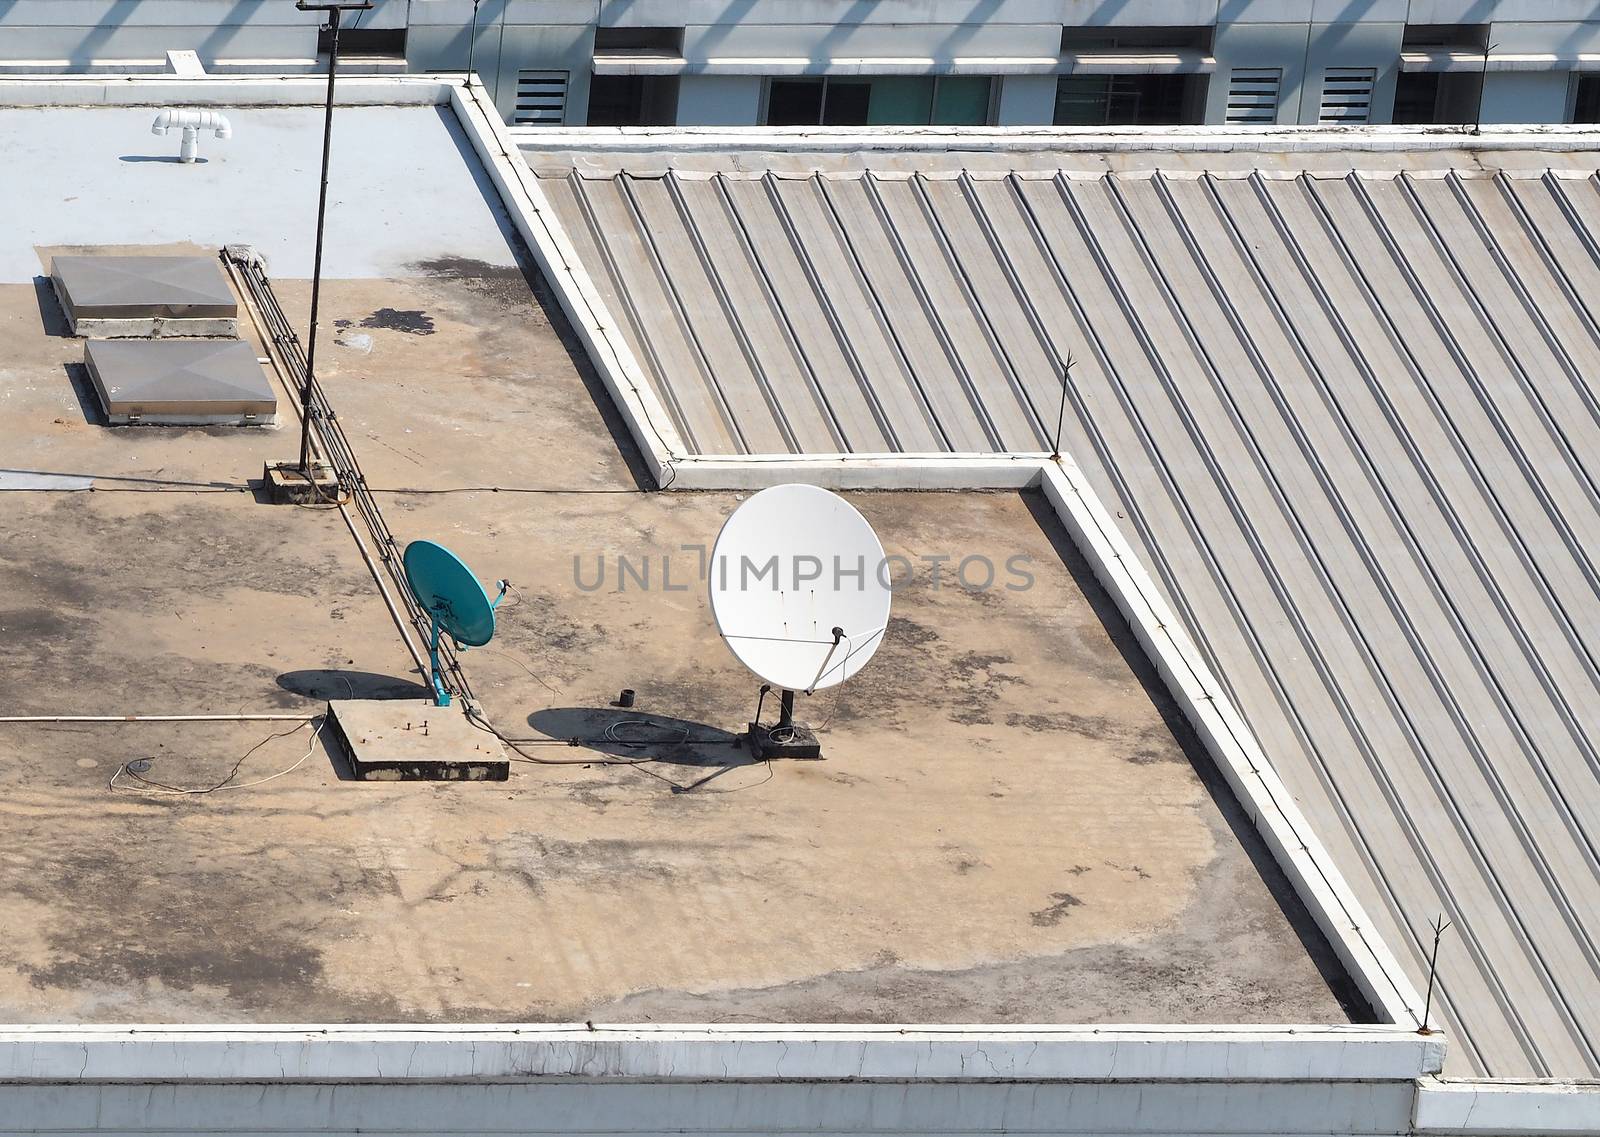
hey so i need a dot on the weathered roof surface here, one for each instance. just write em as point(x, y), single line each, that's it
point(1000, 832)
point(1348, 419)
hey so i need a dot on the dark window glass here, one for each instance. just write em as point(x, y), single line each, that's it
point(1587, 106)
point(638, 41)
point(1090, 39)
point(847, 102)
point(633, 100)
point(1416, 94)
point(364, 41)
point(616, 100)
point(1460, 95)
point(901, 100)
point(962, 100)
point(1126, 100)
point(1457, 37)
point(881, 100)
point(794, 102)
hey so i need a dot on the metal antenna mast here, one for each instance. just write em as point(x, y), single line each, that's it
point(334, 11)
point(472, 39)
point(1440, 926)
point(1061, 414)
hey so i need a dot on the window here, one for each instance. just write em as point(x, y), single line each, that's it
point(961, 100)
point(886, 100)
point(1347, 94)
point(794, 102)
point(1129, 100)
point(633, 100)
point(1253, 94)
point(1443, 97)
point(1586, 103)
point(1075, 40)
point(1445, 37)
point(1437, 97)
point(639, 41)
point(541, 98)
point(364, 41)
point(1416, 93)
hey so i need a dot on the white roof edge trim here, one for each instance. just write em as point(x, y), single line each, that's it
point(536, 220)
point(1231, 743)
point(1554, 138)
point(1482, 1107)
point(703, 1053)
point(767, 66)
point(159, 89)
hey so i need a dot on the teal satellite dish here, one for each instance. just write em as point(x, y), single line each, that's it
point(446, 589)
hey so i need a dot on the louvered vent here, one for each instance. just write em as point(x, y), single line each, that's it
point(1253, 94)
point(541, 98)
point(1347, 94)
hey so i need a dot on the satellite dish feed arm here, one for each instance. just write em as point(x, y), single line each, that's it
point(851, 648)
point(838, 634)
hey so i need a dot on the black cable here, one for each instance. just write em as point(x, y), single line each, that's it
point(232, 774)
point(477, 718)
point(641, 764)
point(507, 489)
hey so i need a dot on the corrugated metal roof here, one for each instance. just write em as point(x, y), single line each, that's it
point(1348, 421)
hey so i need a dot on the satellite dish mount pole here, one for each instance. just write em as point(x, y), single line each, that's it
point(784, 738)
point(441, 695)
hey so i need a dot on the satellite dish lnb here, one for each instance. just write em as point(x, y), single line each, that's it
point(798, 592)
point(452, 596)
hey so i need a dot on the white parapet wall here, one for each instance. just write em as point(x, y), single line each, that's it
point(1097, 141)
point(743, 1080)
point(220, 91)
point(1482, 1108)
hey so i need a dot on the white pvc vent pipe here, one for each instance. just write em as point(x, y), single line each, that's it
point(191, 122)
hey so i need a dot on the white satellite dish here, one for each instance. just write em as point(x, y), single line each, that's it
point(800, 594)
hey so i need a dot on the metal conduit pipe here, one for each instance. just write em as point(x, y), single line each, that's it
point(301, 717)
point(330, 439)
point(377, 576)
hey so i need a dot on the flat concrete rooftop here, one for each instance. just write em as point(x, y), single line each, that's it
point(400, 187)
point(1012, 824)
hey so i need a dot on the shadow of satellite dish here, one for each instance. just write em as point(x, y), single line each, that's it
point(639, 736)
point(329, 684)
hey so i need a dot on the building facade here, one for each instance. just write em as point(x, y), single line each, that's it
point(894, 62)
